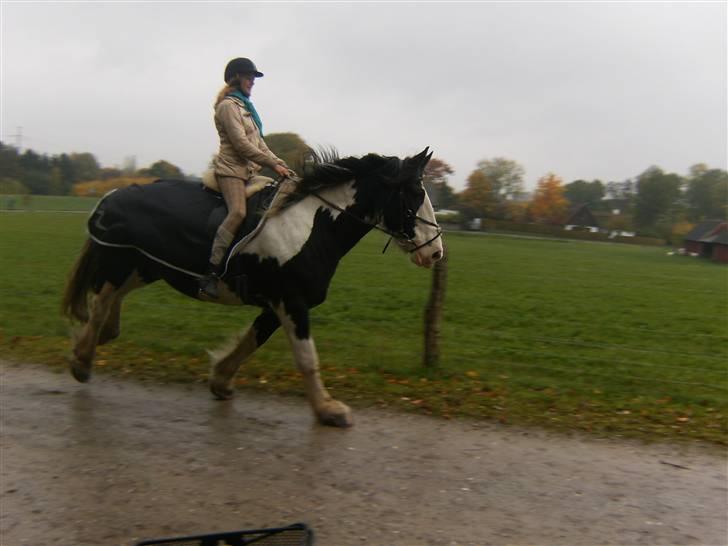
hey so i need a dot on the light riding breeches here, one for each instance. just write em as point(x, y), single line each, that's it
point(233, 190)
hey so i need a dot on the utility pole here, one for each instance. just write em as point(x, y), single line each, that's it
point(18, 136)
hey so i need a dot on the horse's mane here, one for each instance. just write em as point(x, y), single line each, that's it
point(325, 169)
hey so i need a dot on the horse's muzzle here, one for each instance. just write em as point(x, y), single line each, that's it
point(427, 255)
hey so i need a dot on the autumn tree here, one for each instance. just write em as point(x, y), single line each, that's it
point(435, 182)
point(505, 176)
point(549, 204)
point(478, 198)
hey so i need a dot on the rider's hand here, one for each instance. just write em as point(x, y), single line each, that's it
point(283, 171)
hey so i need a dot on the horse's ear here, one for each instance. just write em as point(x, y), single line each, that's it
point(424, 156)
point(421, 159)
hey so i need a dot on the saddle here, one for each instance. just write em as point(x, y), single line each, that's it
point(172, 221)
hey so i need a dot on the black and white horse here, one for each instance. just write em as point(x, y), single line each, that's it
point(284, 267)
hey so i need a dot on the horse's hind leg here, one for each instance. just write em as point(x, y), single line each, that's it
point(102, 325)
point(112, 325)
point(226, 363)
point(85, 346)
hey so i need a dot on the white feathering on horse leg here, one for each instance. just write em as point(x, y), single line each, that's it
point(327, 410)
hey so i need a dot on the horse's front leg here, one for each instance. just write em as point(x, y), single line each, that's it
point(227, 362)
point(295, 321)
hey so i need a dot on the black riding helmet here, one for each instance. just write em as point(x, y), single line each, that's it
point(241, 65)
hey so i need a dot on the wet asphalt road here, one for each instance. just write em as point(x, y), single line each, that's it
point(114, 461)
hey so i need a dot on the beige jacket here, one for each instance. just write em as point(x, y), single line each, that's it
point(243, 152)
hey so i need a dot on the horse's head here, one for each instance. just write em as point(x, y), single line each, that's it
point(408, 213)
point(389, 196)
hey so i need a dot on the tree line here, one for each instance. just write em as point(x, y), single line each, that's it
point(30, 172)
point(652, 203)
point(42, 174)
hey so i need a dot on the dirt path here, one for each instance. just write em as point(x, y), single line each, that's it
point(113, 461)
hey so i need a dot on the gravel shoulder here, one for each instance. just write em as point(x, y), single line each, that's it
point(115, 461)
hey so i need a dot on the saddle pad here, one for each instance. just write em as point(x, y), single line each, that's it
point(170, 221)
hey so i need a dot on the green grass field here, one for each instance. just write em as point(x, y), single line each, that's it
point(611, 339)
point(35, 203)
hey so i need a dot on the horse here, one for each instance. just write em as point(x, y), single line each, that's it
point(284, 267)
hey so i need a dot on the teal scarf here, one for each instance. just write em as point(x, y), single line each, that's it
point(249, 107)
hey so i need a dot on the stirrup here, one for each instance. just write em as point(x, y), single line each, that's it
point(208, 285)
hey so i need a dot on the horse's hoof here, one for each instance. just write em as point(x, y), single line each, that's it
point(221, 392)
point(82, 375)
point(336, 414)
point(105, 337)
point(80, 371)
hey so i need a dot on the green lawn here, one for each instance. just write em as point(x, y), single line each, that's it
point(616, 340)
point(36, 203)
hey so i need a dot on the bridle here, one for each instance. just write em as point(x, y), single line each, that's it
point(400, 236)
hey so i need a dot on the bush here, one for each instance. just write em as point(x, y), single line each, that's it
point(679, 231)
point(11, 186)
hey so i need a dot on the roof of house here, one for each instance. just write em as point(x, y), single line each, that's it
point(720, 238)
point(703, 230)
point(581, 215)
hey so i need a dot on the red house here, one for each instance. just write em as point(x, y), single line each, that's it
point(710, 240)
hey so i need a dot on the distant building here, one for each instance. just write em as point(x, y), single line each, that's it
point(581, 218)
point(709, 239)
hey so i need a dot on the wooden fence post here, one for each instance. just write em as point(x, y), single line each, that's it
point(433, 312)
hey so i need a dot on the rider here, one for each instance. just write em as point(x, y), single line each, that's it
point(243, 152)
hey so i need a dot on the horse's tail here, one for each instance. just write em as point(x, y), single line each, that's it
point(80, 282)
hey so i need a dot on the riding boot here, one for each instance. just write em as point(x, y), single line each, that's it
point(208, 282)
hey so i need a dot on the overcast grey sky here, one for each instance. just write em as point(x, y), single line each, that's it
point(581, 89)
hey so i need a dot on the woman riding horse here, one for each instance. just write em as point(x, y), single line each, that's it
point(242, 154)
point(161, 231)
